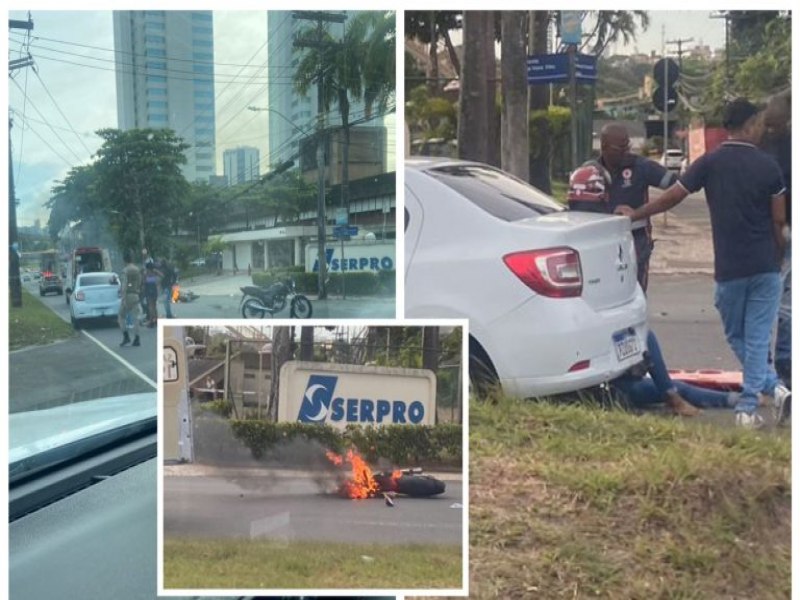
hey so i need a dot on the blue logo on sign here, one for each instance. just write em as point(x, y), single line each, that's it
point(319, 406)
point(317, 399)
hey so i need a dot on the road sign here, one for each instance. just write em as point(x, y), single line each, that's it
point(571, 26)
point(554, 68)
point(658, 99)
point(548, 68)
point(672, 72)
point(345, 231)
point(586, 68)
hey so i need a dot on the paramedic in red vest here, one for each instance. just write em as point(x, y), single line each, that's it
point(630, 178)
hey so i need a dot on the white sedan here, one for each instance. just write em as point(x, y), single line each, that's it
point(96, 295)
point(551, 295)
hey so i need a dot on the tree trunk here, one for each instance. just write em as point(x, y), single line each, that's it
point(430, 348)
point(307, 343)
point(539, 99)
point(514, 124)
point(433, 59)
point(473, 106)
point(281, 344)
point(451, 51)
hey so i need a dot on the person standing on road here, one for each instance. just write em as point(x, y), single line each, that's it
point(778, 143)
point(168, 279)
point(129, 289)
point(629, 179)
point(747, 203)
point(152, 277)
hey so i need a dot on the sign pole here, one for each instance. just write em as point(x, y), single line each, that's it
point(573, 108)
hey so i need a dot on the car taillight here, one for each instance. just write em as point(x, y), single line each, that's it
point(80, 296)
point(554, 272)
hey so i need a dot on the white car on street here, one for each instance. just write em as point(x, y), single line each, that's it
point(551, 295)
point(96, 295)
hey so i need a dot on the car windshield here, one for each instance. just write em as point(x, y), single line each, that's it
point(496, 192)
point(89, 280)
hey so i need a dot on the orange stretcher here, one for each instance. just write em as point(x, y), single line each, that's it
point(715, 379)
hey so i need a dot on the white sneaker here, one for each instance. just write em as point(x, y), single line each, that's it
point(749, 421)
point(781, 403)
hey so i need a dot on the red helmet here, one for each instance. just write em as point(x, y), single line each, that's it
point(587, 184)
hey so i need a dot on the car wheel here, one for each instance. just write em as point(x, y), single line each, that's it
point(482, 374)
point(75, 323)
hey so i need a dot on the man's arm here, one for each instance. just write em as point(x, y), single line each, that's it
point(670, 198)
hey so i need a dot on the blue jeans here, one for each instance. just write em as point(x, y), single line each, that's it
point(644, 391)
point(749, 307)
point(783, 339)
point(168, 302)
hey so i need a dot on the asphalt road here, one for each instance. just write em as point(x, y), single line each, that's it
point(287, 508)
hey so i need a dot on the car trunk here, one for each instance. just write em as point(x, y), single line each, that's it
point(100, 294)
point(607, 255)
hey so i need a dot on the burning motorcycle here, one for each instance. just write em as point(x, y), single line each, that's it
point(258, 301)
point(361, 482)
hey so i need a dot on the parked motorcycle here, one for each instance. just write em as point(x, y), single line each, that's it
point(258, 301)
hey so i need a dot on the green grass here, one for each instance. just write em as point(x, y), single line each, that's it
point(559, 190)
point(569, 501)
point(248, 564)
point(34, 324)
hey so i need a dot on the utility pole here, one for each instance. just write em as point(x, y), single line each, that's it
point(679, 43)
point(14, 281)
point(724, 14)
point(321, 17)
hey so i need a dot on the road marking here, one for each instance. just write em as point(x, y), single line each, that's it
point(124, 362)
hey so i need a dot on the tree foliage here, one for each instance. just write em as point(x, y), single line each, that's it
point(140, 184)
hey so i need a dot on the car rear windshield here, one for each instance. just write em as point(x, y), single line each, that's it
point(496, 192)
point(87, 280)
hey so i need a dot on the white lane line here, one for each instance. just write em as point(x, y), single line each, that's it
point(124, 362)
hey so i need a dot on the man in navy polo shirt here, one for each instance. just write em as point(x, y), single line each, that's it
point(746, 200)
point(629, 180)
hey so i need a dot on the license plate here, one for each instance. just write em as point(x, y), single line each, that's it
point(626, 344)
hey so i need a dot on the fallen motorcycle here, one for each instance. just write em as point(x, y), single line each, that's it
point(409, 482)
point(257, 301)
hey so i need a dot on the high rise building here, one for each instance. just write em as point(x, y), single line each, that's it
point(289, 113)
point(241, 164)
point(165, 79)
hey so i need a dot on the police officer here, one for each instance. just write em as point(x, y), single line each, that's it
point(629, 178)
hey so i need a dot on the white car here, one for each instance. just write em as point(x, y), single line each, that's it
point(198, 262)
point(551, 295)
point(672, 159)
point(96, 295)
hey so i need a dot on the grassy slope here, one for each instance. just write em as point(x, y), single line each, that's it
point(246, 564)
point(34, 324)
point(576, 502)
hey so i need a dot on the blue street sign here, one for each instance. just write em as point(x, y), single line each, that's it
point(548, 68)
point(586, 68)
point(345, 231)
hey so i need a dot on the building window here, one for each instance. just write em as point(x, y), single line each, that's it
point(197, 30)
point(205, 107)
point(157, 118)
point(156, 104)
point(203, 56)
point(203, 168)
point(203, 131)
point(156, 91)
point(203, 93)
point(204, 119)
point(155, 79)
point(154, 26)
point(203, 156)
point(154, 13)
point(155, 52)
point(203, 43)
point(155, 39)
point(156, 66)
point(201, 16)
point(204, 69)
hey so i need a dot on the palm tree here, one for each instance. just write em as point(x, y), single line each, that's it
point(361, 65)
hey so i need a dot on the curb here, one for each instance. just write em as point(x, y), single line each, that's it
point(195, 470)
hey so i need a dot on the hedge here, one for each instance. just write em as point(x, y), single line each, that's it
point(400, 444)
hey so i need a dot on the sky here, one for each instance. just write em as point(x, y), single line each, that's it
point(84, 97)
point(679, 24)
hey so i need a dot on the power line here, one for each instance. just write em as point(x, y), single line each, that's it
point(45, 142)
point(61, 112)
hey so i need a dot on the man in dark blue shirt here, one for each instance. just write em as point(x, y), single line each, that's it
point(746, 200)
point(629, 180)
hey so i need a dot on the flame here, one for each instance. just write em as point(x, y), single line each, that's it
point(362, 483)
point(176, 293)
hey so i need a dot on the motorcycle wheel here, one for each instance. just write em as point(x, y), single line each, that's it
point(251, 310)
point(301, 308)
point(419, 486)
